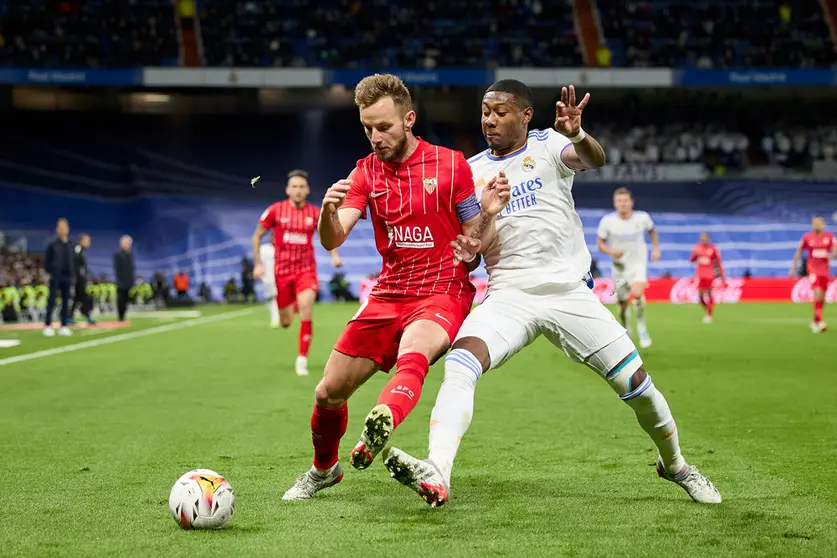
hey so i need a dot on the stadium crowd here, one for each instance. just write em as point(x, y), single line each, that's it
point(354, 34)
point(705, 34)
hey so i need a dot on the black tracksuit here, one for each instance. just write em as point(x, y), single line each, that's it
point(81, 301)
point(58, 262)
point(124, 271)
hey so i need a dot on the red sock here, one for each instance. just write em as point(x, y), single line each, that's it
point(403, 390)
point(327, 427)
point(709, 305)
point(305, 333)
point(818, 311)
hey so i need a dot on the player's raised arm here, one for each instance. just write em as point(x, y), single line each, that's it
point(585, 152)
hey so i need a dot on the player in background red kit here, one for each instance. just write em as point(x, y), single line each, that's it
point(421, 199)
point(293, 222)
point(821, 249)
point(708, 259)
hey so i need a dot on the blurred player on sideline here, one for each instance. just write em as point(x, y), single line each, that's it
point(537, 261)
point(708, 260)
point(821, 250)
point(267, 251)
point(420, 197)
point(621, 235)
point(293, 222)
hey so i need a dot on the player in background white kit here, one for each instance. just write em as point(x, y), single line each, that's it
point(536, 259)
point(267, 252)
point(621, 235)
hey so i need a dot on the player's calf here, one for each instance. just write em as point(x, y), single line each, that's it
point(620, 364)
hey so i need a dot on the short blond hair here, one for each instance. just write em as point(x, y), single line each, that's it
point(372, 89)
point(620, 191)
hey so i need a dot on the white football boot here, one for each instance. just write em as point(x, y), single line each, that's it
point(421, 476)
point(65, 331)
point(49, 331)
point(312, 481)
point(377, 428)
point(301, 366)
point(698, 487)
point(707, 319)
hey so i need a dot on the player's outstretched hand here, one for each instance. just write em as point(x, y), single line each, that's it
point(568, 114)
point(335, 195)
point(465, 248)
point(655, 254)
point(336, 260)
point(496, 194)
point(258, 271)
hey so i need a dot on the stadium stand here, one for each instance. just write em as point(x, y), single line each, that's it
point(382, 34)
point(90, 34)
point(720, 34)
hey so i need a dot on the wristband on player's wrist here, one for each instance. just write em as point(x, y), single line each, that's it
point(579, 137)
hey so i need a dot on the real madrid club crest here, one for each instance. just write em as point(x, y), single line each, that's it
point(430, 185)
point(528, 164)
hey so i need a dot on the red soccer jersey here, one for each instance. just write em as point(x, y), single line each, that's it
point(414, 214)
point(707, 258)
point(293, 232)
point(819, 247)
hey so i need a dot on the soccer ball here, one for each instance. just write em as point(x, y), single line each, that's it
point(202, 499)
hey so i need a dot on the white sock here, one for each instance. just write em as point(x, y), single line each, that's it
point(639, 306)
point(274, 311)
point(454, 408)
point(654, 416)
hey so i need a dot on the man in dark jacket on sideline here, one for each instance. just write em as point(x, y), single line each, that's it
point(124, 271)
point(82, 299)
point(58, 263)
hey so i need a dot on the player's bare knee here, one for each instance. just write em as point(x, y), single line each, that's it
point(285, 322)
point(476, 347)
point(327, 396)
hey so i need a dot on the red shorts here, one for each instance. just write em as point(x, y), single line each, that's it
point(289, 286)
point(705, 283)
point(375, 331)
point(818, 281)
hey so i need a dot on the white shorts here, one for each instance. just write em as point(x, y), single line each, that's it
point(269, 287)
point(625, 277)
point(569, 315)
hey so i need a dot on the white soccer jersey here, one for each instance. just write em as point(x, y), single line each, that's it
point(627, 235)
point(266, 251)
point(539, 236)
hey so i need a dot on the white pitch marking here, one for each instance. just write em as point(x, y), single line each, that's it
point(126, 336)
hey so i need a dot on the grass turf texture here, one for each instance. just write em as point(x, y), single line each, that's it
point(554, 463)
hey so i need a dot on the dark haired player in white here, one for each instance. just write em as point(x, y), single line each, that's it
point(537, 261)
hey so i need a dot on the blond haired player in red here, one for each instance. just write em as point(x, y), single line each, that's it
point(821, 250)
point(421, 199)
point(293, 222)
point(708, 259)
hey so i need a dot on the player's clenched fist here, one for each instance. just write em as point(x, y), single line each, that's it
point(335, 196)
point(496, 194)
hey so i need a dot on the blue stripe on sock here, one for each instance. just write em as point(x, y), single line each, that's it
point(466, 359)
point(476, 370)
point(646, 383)
point(625, 362)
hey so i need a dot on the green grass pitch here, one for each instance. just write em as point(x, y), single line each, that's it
point(554, 464)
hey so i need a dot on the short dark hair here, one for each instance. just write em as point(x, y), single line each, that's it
point(298, 172)
point(82, 236)
point(520, 90)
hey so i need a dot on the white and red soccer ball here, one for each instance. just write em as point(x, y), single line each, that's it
point(202, 499)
